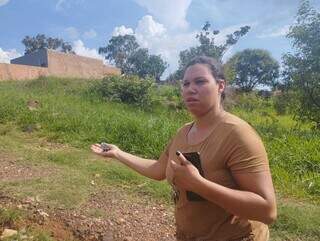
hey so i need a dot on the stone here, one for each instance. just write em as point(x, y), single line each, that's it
point(8, 233)
point(107, 237)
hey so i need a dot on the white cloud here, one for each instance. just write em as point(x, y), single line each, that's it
point(90, 34)
point(278, 32)
point(122, 30)
point(154, 36)
point(79, 48)
point(3, 2)
point(159, 40)
point(171, 13)
point(6, 56)
point(72, 32)
point(62, 5)
point(150, 28)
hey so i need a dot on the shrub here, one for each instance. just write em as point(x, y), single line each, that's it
point(251, 102)
point(285, 102)
point(170, 96)
point(128, 89)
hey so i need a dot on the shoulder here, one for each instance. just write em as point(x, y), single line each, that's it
point(238, 131)
point(236, 125)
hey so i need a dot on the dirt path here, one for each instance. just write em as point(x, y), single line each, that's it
point(108, 215)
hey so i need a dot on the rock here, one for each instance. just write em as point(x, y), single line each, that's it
point(33, 104)
point(107, 237)
point(24, 237)
point(121, 221)
point(8, 233)
point(42, 213)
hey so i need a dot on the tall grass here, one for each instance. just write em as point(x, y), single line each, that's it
point(70, 112)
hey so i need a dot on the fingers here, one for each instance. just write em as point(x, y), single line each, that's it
point(174, 165)
point(182, 159)
point(234, 219)
point(237, 219)
point(95, 147)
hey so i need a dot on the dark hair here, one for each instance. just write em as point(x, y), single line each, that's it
point(215, 67)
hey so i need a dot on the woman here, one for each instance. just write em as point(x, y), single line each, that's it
point(237, 198)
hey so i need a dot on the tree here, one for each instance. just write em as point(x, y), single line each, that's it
point(119, 49)
point(252, 67)
point(125, 52)
point(143, 64)
point(40, 41)
point(302, 68)
point(156, 66)
point(207, 47)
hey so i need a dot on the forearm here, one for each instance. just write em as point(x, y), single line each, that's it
point(146, 167)
point(244, 204)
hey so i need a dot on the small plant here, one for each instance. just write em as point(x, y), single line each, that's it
point(9, 216)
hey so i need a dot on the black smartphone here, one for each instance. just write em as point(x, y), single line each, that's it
point(194, 158)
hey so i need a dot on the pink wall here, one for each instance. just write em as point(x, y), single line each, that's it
point(21, 72)
point(60, 65)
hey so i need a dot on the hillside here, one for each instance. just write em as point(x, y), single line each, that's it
point(47, 126)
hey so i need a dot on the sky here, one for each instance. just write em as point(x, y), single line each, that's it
point(165, 27)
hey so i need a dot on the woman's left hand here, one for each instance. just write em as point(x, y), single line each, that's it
point(185, 175)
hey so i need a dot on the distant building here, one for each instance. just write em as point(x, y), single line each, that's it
point(45, 62)
point(38, 58)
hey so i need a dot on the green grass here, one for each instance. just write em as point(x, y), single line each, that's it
point(9, 216)
point(71, 115)
point(72, 166)
point(296, 221)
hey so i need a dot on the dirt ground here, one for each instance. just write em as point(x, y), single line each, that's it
point(108, 215)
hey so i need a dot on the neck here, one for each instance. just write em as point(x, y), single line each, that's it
point(207, 119)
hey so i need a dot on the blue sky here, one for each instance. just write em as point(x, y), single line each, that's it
point(163, 26)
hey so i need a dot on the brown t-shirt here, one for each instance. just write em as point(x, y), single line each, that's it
point(233, 146)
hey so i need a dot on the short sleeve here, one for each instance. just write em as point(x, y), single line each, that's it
point(247, 153)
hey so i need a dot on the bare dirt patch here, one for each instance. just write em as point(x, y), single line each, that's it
point(12, 170)
point(122, 218)
point(109, 215)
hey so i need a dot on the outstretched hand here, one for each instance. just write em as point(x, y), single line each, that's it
point(111, 152)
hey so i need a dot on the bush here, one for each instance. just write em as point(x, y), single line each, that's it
point(129, 90)
point(170, 96)
point(251, 102)
point(285, 102)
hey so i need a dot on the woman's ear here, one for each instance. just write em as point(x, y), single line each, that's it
point(221, 85)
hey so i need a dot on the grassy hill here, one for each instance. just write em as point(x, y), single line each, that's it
point(67, 112)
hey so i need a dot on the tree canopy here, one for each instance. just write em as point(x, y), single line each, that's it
point(250, 68)
point(126, 54)
point(207, 47)
point(40, 41)
point(302, 68)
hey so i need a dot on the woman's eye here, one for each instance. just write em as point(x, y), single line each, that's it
point(185, 84)
point(200, 82)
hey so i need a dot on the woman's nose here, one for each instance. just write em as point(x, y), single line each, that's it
point(192, 88)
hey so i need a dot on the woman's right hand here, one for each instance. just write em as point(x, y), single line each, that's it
point(112, 151)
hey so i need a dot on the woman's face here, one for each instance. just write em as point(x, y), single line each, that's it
point(200, 90)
